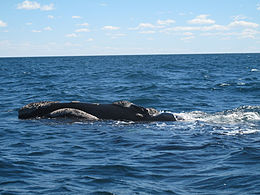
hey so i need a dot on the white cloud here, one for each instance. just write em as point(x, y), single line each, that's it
point(219, 34)
point(32, 5)
point(142, 26)
point(201, 19)
point(48, 28)
point(165, 22)
point(187, 38)
point(69, 44)
point(160, 24)
point(28, 23)
point(90, 39)
point(243, 24)
point(246, 33)
point(249, 33)
point(110, 28)
point(146, 25)
point(2, 24)
point(50, 17)
point(239, 17)
point(181, 28)
point(47, 7)
point(36, 31)
point(76, 17)
point(258, 6)
point(83, 24)
point(82, 30)
point(187, 33)
point(147, 32)
point(29, 5)
point(115, 35)
point(215, 27)
point(71, 35)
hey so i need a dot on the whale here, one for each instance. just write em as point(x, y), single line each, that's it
point(119, 110)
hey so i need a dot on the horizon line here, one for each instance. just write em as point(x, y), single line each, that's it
point(141, 54)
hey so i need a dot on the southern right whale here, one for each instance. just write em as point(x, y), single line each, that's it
point(120, 110)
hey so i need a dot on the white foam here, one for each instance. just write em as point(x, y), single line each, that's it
point(224, 84)
point(241, 132)
point(232, 118)
point(229, 117)
point(192, 116)
point(118, 123)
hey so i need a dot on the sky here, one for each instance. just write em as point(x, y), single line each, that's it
point(119, 27)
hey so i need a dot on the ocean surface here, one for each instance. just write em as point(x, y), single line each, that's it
point(215, 150)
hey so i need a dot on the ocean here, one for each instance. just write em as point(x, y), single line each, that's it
point(215, 150)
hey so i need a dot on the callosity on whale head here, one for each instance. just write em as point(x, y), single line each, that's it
point(36, 109)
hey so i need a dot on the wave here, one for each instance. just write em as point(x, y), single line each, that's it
point(239, 121)
point(241, 114)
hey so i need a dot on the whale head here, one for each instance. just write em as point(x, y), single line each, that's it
point(33, 110)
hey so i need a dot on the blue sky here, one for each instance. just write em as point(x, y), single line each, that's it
point(116, 27)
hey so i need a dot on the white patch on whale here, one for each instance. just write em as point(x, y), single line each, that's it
point(71, 112)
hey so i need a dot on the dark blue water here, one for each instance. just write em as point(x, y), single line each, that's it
point(216, 150)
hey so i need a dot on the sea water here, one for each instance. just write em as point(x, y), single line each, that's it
point(215, 150)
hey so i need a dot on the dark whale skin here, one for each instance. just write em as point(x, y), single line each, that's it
point(121, 110)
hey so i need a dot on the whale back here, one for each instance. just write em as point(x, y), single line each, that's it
point(141, 113)
point(121, 110)
point(123, 103)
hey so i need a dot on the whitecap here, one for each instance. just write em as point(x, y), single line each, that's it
point(241, 132)
point(119, 123)
point(192, 116)
point(233, 117)
point(254, 70)
point(239, 115)
point(224, 84)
